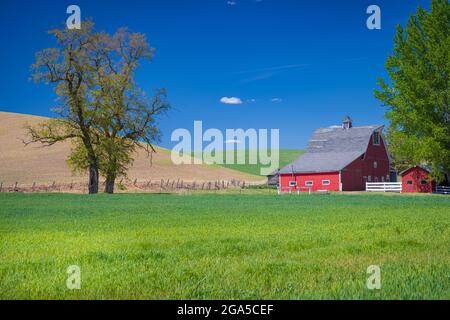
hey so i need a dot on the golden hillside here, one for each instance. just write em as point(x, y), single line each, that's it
point(34, 163)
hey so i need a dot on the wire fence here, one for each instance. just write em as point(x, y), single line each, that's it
point(124, 185)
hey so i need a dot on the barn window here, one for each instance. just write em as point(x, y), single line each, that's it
point(375, 164)
point(423, 182)
point(292, 183)
point(325, 182)
point(409, 182)
point(309, 183)
point(369, 178)
point(376, 179)
point(376, 138)
point(382, 179)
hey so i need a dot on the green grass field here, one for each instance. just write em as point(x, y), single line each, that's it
point(205, 246)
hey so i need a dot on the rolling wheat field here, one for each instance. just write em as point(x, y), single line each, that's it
point(224, 246)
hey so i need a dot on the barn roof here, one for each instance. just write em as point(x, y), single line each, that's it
point(425, 167)
point(332, 149)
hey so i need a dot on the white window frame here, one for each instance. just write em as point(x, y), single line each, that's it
point(309, 183)
point(375, 165)
point(292, 183)
point(326, 182)
point(382, 179)
point(369, 179)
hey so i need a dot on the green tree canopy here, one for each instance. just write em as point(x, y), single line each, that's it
point(102, 111)
point(417, 92)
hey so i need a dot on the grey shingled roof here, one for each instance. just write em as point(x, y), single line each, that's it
point(332, 149)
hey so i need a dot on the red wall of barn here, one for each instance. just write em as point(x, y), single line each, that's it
point(355, 175)
point(416, 175)
point(316, 178)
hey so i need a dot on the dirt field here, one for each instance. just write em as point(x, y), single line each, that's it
point(44, 165)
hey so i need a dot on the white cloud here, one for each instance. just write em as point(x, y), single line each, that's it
point(276, 100)
point(231, 100)
point(231, 3)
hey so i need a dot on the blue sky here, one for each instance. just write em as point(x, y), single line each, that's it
point(295, 65)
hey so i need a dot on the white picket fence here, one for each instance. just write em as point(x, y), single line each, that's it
point(442, 190)
point(384, 187)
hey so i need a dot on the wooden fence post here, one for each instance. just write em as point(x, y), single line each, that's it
point(1, 186)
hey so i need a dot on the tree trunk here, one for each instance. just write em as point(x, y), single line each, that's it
point(448, 178)
point(93, 179)
point(109, 184)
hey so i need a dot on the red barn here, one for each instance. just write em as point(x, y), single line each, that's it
point(416, 179)
point(339, 158)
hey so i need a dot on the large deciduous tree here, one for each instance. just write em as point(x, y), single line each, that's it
point(105, 115)
point(417, 91)
point(66, 67)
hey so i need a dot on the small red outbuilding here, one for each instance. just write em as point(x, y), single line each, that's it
point(416, 179)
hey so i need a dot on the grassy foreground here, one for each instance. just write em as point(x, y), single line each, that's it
point(224, 246)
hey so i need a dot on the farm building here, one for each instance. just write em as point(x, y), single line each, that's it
point(339, 158)
point(273, 178)
point(416, 179)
